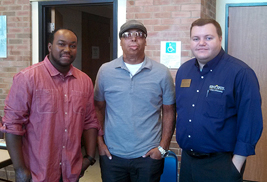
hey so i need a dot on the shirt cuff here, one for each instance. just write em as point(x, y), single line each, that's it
point(100, 132)
point(244, 149)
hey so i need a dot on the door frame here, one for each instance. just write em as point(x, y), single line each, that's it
point(227, 6)
point(42, 5)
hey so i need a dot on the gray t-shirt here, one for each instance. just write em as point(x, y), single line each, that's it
point(133, 121)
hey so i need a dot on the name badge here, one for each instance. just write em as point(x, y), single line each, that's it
point(186, 83)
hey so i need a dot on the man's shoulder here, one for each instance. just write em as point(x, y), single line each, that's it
point(234, 62)
point(30, 70)
point(156, 64)
point(188, 63)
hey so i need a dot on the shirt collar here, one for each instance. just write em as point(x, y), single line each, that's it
point(120, 63)
point(54, 72)
point(212, 63)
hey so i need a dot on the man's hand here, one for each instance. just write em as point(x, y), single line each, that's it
point(102, 147)
point(238, 161)
point(23, 175)
point(154, 154)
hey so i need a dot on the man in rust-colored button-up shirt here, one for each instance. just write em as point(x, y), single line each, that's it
point(49, 107)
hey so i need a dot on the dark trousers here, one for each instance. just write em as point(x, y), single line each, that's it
point(61, 179)
point(217, 167)
point(131, 170)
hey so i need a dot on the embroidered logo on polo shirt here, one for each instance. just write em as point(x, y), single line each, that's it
point(216, 88)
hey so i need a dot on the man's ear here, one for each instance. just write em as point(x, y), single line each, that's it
point(49, 47)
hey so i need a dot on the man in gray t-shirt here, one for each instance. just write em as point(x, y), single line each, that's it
point(134, 99)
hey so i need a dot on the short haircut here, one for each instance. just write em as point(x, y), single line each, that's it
point(52, 35)
point(202, 22)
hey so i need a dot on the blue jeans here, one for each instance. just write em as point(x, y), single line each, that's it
point(131, 170)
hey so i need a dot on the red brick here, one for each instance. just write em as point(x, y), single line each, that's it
point(162, 2)
point(195, 14)
point(191, 7)
point(8, 2)
point(143, 2)
point(151, 9)
point(163, 15)
point(14, 7)
point(181, 14)
point(3, 8)
point(14, 30)
point(161, 28)
point(134, 9)
point(170, 21)
point(15, 19)
point(152, 22)
point(188, 20)
point(130, 16)
point(171, 8)
point(23, 13)
point(27, 7)
point(143, 15)
point(180, 1)
point(23, 2)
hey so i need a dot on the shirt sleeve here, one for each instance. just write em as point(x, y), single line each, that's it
point(249, 114)
point(99, 89)
point(17, 106)
point(168, 89)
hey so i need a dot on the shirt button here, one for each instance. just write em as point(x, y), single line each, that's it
point(66, 130)
point(190, 120)
point(191, 150)
point(65, 95)
point(66, 113)
point(202, 77)
point(210, 70)
point(193, 105)
point(197, 90)
point(60, 163)
point(189, 136)
point(63, 147)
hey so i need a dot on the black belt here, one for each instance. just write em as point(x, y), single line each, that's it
point(200, 155)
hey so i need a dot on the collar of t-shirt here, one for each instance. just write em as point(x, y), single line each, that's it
point(133, 68)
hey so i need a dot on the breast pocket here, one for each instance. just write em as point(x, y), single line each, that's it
point(79, 101)
point(47, 101)
point(214, 105)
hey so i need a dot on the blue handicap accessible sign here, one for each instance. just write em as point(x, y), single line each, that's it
point(170, 47)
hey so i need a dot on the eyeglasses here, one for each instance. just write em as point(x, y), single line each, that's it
point(129, 35)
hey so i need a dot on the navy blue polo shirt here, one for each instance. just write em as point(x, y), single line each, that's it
point(218, 108)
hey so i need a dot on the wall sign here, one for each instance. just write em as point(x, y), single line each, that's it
point(170, 53)
point(3, 37)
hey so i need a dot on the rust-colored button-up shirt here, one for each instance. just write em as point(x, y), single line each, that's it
point(51, 111)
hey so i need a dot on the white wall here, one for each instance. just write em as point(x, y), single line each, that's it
point(220, 12)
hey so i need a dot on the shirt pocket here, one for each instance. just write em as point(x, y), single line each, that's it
point(79, 101)
point(214, 105)
point(47, 101)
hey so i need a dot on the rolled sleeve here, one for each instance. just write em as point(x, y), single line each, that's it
point(17, 107)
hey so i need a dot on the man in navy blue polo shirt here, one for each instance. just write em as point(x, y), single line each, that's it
point(218, 102)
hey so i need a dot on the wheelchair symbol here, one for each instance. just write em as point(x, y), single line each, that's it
point(169, 47)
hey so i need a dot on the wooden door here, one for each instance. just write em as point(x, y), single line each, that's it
point(95, 43)
point(247, 41)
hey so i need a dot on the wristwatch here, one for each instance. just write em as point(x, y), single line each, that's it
point(163, 152)
point(91, 159)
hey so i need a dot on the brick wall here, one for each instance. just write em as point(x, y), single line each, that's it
point(169, 20)
point(18, 14)
point(166, 20)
